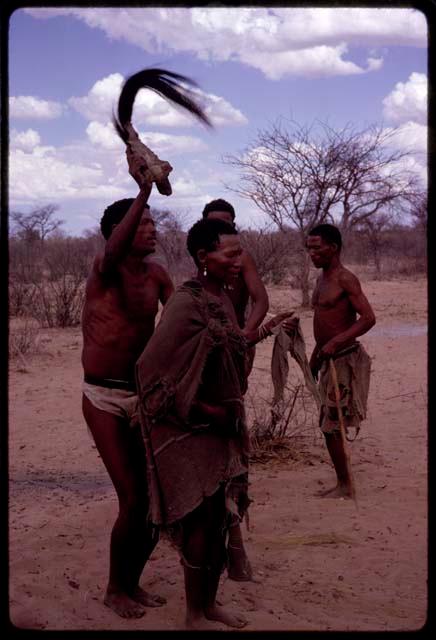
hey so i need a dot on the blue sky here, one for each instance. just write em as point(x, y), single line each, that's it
point(66, 67)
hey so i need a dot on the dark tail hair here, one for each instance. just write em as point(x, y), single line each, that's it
point(166, 84)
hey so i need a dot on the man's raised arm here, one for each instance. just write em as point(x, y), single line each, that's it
point(120, 240)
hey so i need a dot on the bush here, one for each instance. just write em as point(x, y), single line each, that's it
point(23, 338)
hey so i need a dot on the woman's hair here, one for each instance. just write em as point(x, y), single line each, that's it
point(114, 213)
point(329, 233)
point(218, 205)
point(205, 234)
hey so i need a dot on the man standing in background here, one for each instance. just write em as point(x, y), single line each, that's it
point(337, 301)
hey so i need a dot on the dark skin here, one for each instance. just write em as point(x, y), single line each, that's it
point(248, 286)
point(341, 314)
point(122, 297)
point(204, 538)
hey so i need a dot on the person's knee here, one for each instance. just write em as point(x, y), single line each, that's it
point(332, 436)
point(133, 507)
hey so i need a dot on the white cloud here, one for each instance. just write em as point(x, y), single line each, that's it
point(25, 140)
point(410, 136)
point(220, 111)
point(94, 170)
point(104, 136)
point(35, 177)
point(102, 99)
point(261, 37)
point(357, 26)
point(164, 145)
point(374, 64)
point(408, 101)
point(313, 62)
point(32, 107)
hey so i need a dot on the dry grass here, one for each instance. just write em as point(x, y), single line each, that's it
point(311, 540)
point(24, 340)
point(280, 433)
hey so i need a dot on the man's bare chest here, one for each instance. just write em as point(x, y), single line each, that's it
point(134, 296)
point(327, 295)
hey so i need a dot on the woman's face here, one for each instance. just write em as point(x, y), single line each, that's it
point(224, 263)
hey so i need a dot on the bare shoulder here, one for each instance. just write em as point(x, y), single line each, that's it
point(96, 269)
point(155, 268)
point(247, 258)
point(97, 278)
point(348, 280)
point(248, 264)
point(157, 271)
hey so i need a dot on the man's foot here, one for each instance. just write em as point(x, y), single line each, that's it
point(239, 567)
point(123, 605)
point(219, 614)
point(198, 623)
point(340, 491)
point(147, 599)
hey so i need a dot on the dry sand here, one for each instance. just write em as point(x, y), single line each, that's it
point(319, 564)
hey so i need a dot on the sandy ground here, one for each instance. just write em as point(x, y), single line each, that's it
point(319, 564)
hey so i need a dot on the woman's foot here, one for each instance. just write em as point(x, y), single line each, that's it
point(219, 614)
point(147, 599)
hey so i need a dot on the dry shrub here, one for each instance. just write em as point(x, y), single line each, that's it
point(59, 302)
point(21, 296)
point(272, 252)
point(407, 267)
point(24, 338)
point(276, 430)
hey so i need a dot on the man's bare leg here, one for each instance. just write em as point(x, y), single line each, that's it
point(335, 447)
point(239, 567)
point(132, 538)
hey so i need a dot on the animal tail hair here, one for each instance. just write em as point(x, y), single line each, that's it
point(165, 83)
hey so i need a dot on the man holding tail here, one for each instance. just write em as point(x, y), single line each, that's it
point(121, 302)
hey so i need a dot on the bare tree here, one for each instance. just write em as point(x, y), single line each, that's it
point(373, 230)
point(419, 210)
point(37, 224)
point(29, 232)
point(292, 176)
point(271, 251)
point(372, 177)
point(61, 292)
point(172, 243)
point(301, 176)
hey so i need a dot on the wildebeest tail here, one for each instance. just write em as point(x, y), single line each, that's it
point(165, 83)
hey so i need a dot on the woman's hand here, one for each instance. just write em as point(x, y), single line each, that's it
point(276, 320)
point(290, 324)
